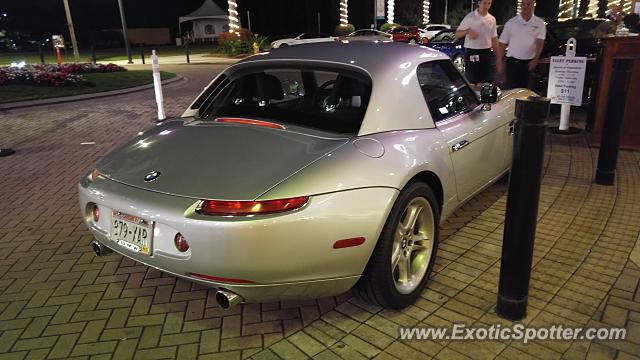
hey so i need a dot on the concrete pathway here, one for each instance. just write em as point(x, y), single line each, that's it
point(57, 300)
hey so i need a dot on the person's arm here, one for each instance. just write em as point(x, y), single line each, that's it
point(466, 32)
point(534, 62)
point(464, 29)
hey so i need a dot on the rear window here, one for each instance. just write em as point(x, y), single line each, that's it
point(327, 99)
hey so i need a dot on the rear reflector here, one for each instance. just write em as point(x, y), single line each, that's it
point(250, 122)
point(221, 279)
point(222, 208)
point(348, 243)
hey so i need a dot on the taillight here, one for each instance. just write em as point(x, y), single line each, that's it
point(181, 243)
point(96, 213)
point(221, 208)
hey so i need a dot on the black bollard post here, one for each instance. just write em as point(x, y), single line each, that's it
point(93, 54)
point(142, 54)
point(186, 50)
point(522, 207)
point(610, 142)
point(41, 53)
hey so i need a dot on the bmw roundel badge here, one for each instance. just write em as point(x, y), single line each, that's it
point(152, 175)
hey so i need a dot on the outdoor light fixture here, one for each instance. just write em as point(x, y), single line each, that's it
point(18, 65)
point(234, 20)
point(390, 9)
point(425, 11)
point(344, 13)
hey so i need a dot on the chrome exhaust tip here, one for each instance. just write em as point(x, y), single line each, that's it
point(226, 299)
point(100, 249)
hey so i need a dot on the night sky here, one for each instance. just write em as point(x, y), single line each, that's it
point(41, 18)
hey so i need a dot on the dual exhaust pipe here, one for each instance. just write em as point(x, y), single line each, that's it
point(225, 298)
point(100, 249)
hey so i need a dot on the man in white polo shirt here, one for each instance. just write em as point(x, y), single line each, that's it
point(480, 33)
point(524, 35)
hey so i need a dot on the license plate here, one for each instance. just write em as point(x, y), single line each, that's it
point(132, 232)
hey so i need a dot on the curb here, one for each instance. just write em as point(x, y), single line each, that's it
point(66, 99)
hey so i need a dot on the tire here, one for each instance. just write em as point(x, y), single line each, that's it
point(381, 282)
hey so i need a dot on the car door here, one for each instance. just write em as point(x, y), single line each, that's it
point(477, 139)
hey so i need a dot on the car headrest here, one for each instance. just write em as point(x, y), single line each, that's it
point(264, 87)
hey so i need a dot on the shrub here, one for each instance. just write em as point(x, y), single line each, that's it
point(342, 30)
point(53, 74)
point(234, 44)
point(386, 26)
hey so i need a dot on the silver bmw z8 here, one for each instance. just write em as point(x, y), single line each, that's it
point(304, 172)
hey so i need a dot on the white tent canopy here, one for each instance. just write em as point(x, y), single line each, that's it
point(209, 20)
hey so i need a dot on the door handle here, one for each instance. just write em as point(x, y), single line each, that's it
point(459, 145)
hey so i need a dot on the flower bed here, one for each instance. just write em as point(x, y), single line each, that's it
point(53, 74)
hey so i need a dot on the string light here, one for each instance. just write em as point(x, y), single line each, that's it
point(576, 11)
point(592, 8)
point(344, 13)
point(234, 17)
point(519, 7)
point(627, 7)
point(425, 11)
point(390, 11)
point(566, 9)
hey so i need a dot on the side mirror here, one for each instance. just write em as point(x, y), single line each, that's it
point(490, 94)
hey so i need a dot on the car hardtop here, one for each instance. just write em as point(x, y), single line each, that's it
point(375, 57)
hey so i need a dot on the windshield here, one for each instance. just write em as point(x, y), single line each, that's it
point(326, 99)
point(446, 36)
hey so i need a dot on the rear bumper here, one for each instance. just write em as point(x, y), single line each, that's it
point(284, 256)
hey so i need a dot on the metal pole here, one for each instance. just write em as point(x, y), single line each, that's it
point(318, 21)
point(157, 85)
point(72, 33)
point(142, 54)
point(375, 14)
point(186, 50)
point(249, 20)
point(93, 54)
point(124, 31)
point(446, 10)
point(610, 143)
point(41, 52)
point(522, 206)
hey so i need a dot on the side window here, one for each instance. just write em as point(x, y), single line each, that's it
point(444, 90)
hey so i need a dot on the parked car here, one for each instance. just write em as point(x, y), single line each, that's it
point(589, 42)
point(446, 42)
point(431, 30)
point(302, 172)
point(304, 38)
point(408, 34)
point(368, 35)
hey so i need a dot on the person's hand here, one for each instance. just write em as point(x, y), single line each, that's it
point(533, 64)
point(472, 34)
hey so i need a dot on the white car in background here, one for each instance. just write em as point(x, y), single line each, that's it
point(432, 29)
point(304, 38)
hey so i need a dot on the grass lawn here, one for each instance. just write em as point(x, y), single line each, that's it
point(102, 82)
point(105, 55)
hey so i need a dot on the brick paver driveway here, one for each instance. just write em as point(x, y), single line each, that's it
point(57, 300)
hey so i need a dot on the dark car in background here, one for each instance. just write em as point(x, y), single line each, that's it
point(446, 42)
point(589, 42)
point(408, 34)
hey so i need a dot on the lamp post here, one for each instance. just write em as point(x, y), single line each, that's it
point(446, 10)
point(72, 33)
point(124, 31)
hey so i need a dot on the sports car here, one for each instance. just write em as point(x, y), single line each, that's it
point(305, 38)
point(304, 172)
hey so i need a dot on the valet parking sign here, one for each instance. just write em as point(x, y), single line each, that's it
point(566, 77)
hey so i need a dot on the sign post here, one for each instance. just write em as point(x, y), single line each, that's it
point(566, 84)
point(58, 43)
point(157, 85)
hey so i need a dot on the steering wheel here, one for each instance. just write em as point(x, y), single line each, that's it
point(319, 94)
